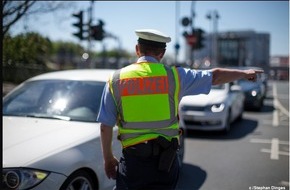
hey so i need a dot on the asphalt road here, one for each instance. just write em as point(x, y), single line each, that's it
point(254, 155)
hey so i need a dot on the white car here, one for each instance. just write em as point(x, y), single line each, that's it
point(215, 111)
point(51, 140)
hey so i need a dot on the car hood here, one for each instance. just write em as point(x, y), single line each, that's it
point(27, 140)
point(214, 97)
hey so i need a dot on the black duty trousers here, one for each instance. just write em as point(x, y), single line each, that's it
point(141, 173)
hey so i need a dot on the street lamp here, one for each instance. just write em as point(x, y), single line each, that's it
point(214, 16)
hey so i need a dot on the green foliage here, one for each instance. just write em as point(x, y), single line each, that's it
point(113, 53)
point(67, 48)
point(26, 49)
point(29, 54)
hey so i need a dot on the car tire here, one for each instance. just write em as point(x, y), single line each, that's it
point(79, 180)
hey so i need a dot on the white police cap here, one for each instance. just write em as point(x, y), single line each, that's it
point(152, 35)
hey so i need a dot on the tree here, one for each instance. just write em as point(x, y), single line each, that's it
point(26, 49)
point(13, 11)
point(67, 53)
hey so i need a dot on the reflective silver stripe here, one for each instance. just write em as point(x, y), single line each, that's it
point(152, 124)
point(168, 132)
point(116, 92)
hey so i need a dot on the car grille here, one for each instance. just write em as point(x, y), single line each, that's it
point(202, 123)
point(193, 108)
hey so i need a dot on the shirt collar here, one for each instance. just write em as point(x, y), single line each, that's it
point(147, 59)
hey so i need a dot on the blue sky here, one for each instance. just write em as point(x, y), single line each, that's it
point(123, 17)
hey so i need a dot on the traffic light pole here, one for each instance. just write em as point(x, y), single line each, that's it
point(90, 64)
point(192, 29)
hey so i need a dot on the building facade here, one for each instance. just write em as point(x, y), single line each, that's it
point(233, 48)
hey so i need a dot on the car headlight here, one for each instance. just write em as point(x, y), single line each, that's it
point(254, 93)
point(216, 107)
point(21, 178)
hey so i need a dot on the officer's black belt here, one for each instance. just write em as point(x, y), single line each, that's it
point(144, 149)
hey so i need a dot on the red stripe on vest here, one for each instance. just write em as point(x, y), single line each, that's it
point(143, 86)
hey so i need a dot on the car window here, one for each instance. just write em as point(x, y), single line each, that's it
point(73, 100)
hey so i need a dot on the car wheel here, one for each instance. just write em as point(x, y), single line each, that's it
point(79, 180)
point(180, 152)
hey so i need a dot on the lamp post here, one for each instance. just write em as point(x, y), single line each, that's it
point(177, 46)
point(214, 16)
point(192, 29)
point(90, 14)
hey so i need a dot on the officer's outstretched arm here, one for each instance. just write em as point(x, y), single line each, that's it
point(222, 75)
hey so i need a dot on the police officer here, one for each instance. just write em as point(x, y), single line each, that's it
point(142, 99)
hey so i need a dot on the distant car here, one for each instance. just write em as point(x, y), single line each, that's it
point(255, 92)
point(215, 111)
point(51, 139)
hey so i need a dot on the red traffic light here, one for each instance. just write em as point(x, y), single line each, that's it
point(191, 39)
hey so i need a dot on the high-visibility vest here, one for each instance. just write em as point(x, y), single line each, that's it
point(146, 96)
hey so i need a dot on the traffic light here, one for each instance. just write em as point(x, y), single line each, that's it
point(79, 25)
point(185, 21)
point(200, 38)
point(190, 39)
point(97, 32)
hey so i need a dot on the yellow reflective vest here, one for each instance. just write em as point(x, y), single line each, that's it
point(146, 96)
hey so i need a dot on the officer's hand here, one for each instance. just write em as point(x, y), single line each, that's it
point(111, 165)
point(251, 74)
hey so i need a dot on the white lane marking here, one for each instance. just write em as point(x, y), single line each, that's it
point(280, 152)
point(275, 149)
point(268, 141)
point(275, 122)
point(277, 103)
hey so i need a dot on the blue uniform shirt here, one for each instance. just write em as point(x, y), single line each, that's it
point(192, 82)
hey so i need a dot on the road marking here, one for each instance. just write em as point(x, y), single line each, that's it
point(277, 104)
point(280, 152)
point(267, 141)
point(275, 122)
point(274, 151)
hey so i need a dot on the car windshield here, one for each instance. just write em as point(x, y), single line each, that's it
point(56, 99)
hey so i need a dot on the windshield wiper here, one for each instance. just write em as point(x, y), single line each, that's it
point(60, 117)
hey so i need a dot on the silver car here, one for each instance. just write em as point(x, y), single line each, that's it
point(215, 111)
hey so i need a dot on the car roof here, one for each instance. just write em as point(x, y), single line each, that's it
point(76, 74)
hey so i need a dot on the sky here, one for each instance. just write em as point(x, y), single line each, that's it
point(122, 18)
